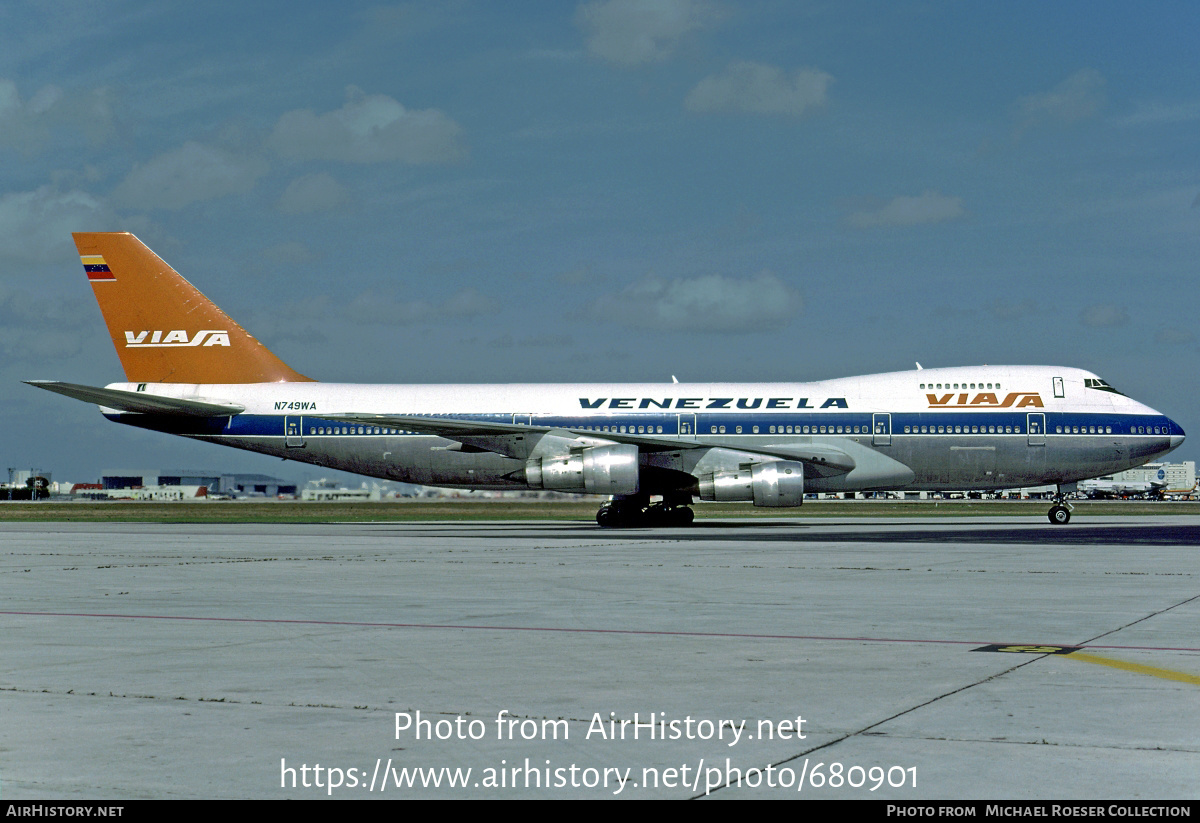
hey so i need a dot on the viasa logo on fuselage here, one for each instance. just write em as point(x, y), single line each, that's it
point(178, 338)
point(985, 400)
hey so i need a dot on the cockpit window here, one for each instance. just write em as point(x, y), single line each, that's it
point(1099, 385)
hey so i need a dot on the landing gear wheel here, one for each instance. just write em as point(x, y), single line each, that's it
point(606, 518)
point(1059, 515)
point(620, 514)
point(634, 512)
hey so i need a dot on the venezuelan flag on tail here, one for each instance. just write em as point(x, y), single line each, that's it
point(164, 329)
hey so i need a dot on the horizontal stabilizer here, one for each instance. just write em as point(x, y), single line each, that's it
point(139, 402)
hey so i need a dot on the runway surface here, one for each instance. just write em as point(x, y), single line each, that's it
point(994, 658)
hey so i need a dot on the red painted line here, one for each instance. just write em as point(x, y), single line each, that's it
point(648, 632)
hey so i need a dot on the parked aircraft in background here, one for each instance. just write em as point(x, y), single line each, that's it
point(193, 372)
point(1108, 487)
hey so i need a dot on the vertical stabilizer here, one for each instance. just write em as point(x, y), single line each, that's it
point(164, 330)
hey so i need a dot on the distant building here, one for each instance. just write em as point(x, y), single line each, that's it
point(1180, 477)
point(235, 485)
point(26, 484)
point(96, 491)
point(256, 485)
point(329, 491)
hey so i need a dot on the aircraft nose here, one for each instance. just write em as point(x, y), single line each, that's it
point(1177, 434)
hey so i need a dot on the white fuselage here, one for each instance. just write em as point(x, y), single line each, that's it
point(986, 427)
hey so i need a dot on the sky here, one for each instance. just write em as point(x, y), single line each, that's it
point(610, 190)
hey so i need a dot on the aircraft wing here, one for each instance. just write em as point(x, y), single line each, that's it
point(489, 436)
point(140, 402)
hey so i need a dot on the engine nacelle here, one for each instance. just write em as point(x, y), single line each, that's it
point(779, 483)
point(596, 470)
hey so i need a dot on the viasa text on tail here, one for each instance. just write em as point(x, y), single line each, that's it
point(653, 448)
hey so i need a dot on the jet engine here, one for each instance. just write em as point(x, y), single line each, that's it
point(595, 470)
point(778, 483)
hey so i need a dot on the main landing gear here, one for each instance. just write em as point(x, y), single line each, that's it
point(1060, 512)
point(635, 510)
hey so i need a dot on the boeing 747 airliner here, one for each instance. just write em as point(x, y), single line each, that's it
point(652, 448)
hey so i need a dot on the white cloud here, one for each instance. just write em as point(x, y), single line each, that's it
point(39, 330)
point(468, 302)
point(312, 193)
point(26, 125)
point(631, 32)
point(369, 129)
point(1173, 335)
point(1078, 97)
point(372, 307)
point(291, 253)
point(707, 303)
point(1157, 114)
point(929, 207)
point(36, 226)
point(759, 89)
point(1010, 309)
point(1104, 316)
point(190, 174)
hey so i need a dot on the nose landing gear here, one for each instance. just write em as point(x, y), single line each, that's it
point(1060, 512)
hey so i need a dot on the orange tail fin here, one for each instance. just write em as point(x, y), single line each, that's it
point(164, 330)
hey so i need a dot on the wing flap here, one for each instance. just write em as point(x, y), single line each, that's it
point(473, 431)
point(498, 437)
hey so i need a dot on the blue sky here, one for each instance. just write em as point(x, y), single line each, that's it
point(609, 190)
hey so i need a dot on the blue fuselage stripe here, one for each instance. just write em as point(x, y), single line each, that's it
point(732, 422)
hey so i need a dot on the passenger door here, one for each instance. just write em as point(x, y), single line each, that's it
point(881, 429)
point(293, 431)
point(687, 426)
point(1035, 426)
